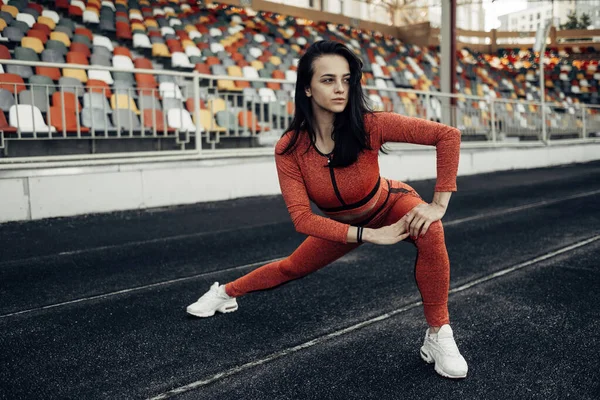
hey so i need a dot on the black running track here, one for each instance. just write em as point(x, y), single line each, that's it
point(94, 307)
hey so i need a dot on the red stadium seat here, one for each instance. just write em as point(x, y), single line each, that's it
point(12, 82)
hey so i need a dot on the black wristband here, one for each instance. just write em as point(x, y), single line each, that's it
point(360, 232)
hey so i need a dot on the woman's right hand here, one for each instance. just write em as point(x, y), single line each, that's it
point(390, 234)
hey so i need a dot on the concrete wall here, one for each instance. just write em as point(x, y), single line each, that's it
point(36, 194)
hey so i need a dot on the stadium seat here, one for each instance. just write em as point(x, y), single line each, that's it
point(42, 82)
point(100, 75)
point(208, 123)
point(4, 126)
point(180, 119)
point(169, 89)
point(248, 119)
point(7, 100)
point(12, 82)
point(126, 120)
point(36, 97)
point(96, 119)
point(28, 118)
point(180, 60)
point(96, 100)
point(64, 120)
point(123, 101)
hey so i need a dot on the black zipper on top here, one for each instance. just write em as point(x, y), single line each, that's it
point(335, 188)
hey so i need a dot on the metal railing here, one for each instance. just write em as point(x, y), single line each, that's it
point(190, 115)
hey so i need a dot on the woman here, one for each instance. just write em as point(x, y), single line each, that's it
point(329, 156)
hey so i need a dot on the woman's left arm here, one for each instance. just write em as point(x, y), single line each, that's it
point(398, 128)
point(393, 127)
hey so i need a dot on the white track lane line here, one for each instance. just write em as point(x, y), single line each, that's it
point(129, 290)
point(200, 234)
point(321, 339)
point(132, 244)
point(138, 288)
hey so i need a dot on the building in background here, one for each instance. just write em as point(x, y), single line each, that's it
point(469, 16)
point(536, 14)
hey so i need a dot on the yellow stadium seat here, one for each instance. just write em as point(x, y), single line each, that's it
point(187, 42)
point(138, 26)
point(75, 73)
point(150, 23)
point(258, 65)
point(160, 50)
point(33, 43)
point(123, 101)
point(2, 24)
point(216, 105)
point(61, 37)
point(275, 60)
point(227, 85)
point(49, 22)
point(12, 10)
point(234, 71)
point(208, 123)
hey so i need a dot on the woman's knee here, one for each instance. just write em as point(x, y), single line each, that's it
point(434, 234)
point(290, 269)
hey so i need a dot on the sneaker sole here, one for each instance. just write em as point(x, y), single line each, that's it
point(430, 360)
point(224, 310)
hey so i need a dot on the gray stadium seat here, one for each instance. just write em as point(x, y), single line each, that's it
point(72, 85)
point(96, 119)
point(148, 103)
point(26, 54)
point(53, 56)
point(96, 100)
point(226, 119)
point(126, 120)
point(7, 100)
point(36, 98)
point(169, 103)
point(24, 71)
point(100, 59)
point(44, 83)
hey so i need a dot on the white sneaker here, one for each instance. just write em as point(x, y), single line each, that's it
point(214, 300)
point(441, 348)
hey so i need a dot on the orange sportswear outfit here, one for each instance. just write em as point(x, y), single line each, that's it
point(372, 201)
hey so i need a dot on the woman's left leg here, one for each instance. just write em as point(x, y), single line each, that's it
point(432, 269)
point(432, 272)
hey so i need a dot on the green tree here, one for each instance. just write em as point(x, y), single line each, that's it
point(574, 23)
point(585, 21)
point(571, 23)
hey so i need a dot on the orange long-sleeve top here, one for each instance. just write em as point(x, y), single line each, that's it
point(305, 176)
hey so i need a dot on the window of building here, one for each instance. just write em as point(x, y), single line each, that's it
point(539, 15)
point(531, 17)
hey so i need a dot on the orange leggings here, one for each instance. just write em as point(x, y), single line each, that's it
point(432, 269)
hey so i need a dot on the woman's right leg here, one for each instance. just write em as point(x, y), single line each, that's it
point(313, 254)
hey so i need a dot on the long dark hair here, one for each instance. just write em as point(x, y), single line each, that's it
point(349, 133)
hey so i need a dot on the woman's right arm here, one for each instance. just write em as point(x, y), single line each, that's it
point(298, 205)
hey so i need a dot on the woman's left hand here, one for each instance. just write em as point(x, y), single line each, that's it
point(419, 218)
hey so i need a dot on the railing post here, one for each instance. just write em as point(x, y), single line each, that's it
point(196, 80)
point(493, 118)
point(583, 121)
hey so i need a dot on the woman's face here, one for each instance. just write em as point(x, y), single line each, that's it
point(330, 84)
